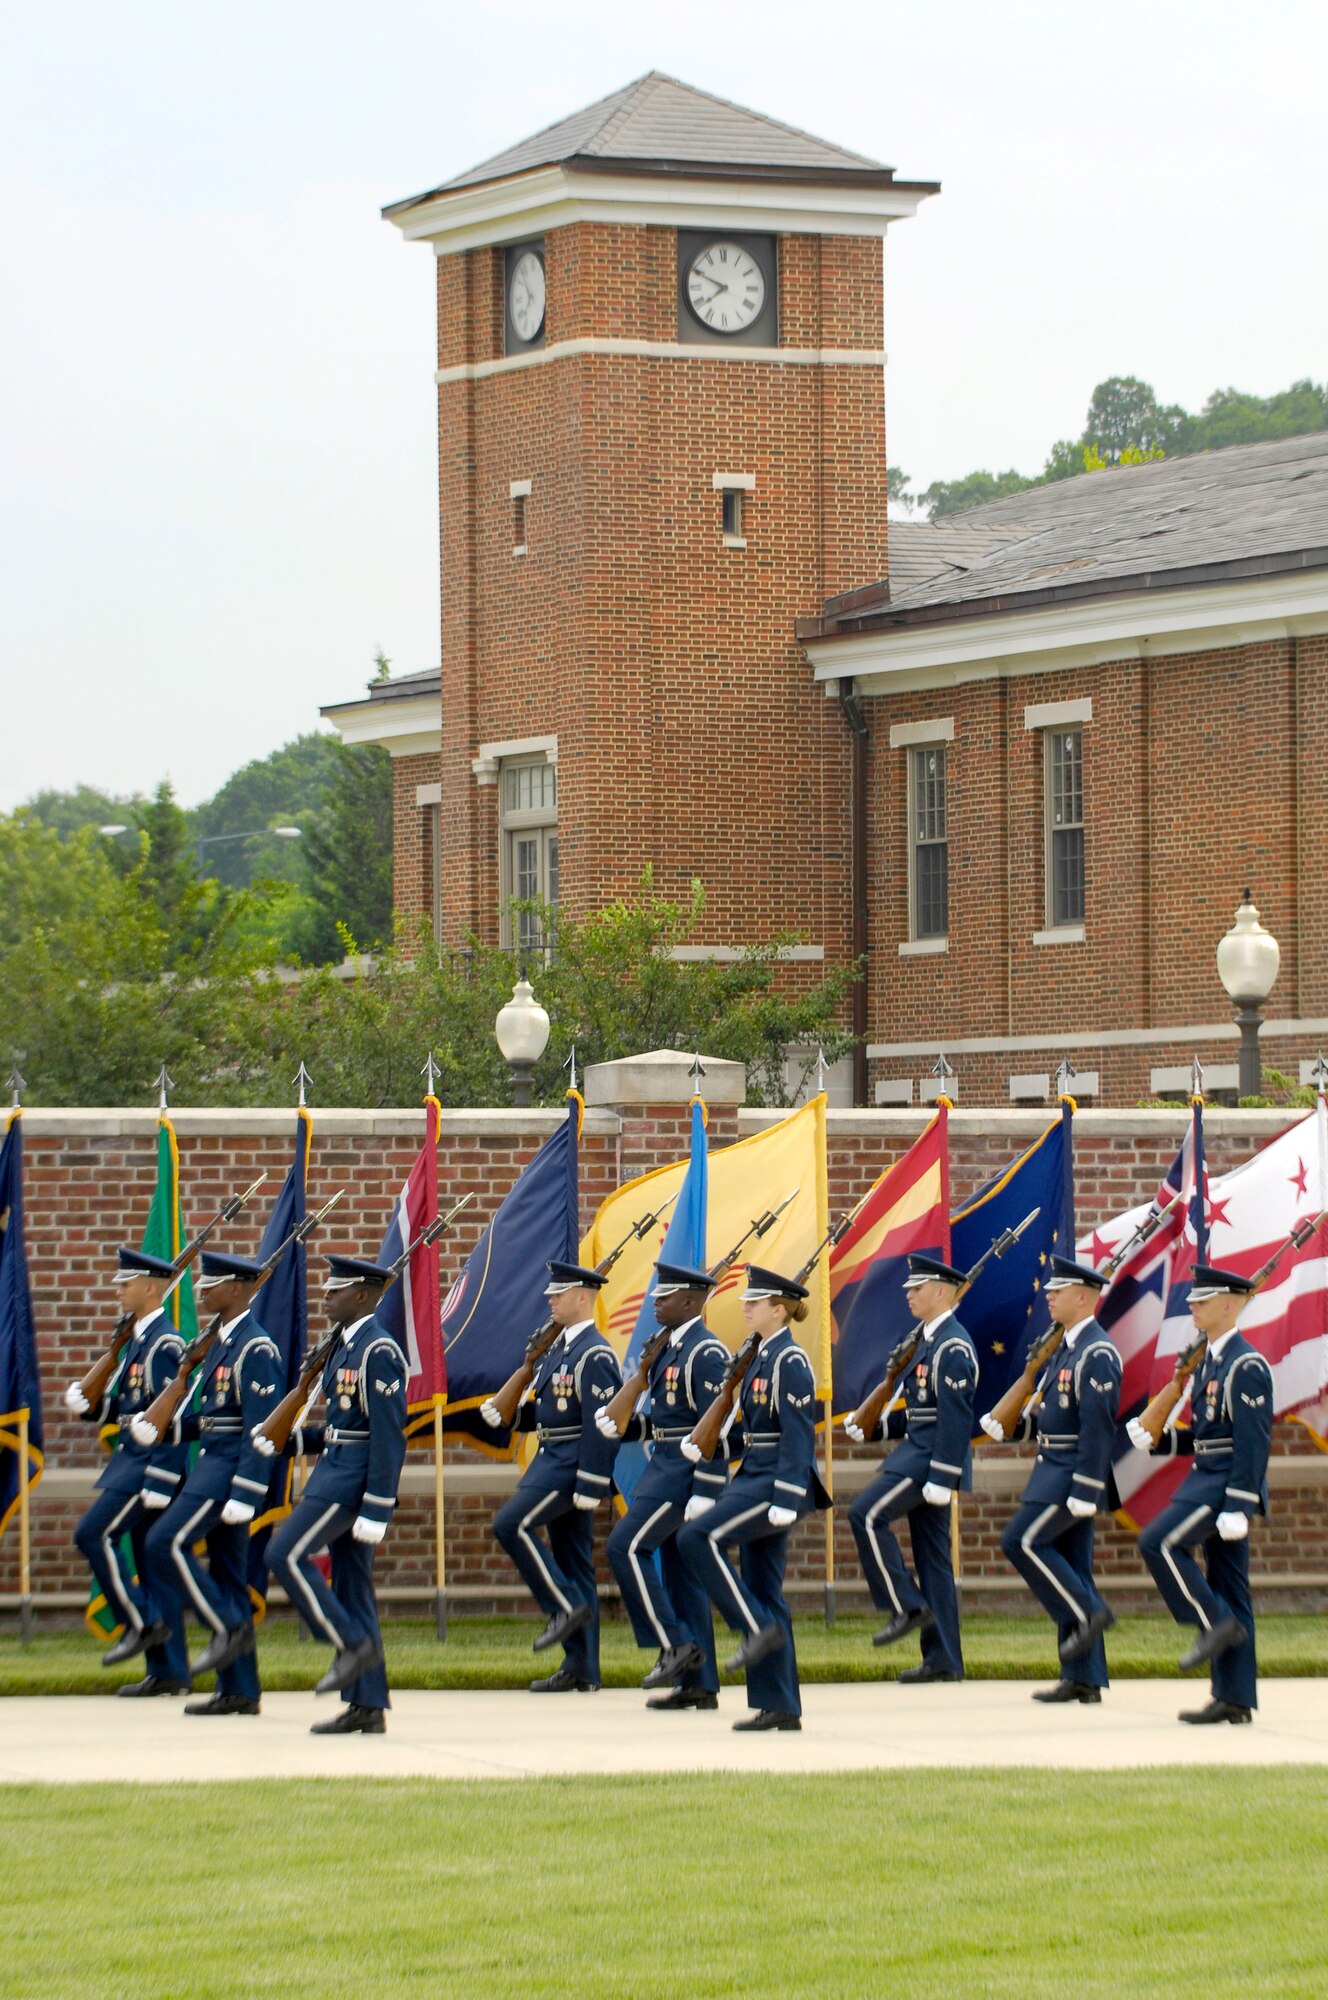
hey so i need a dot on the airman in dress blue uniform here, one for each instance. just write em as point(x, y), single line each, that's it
point(1049, 1538)
point(138, 1482)
point(919, 1478)
point(668, 1607)
point(349, 1499)
point(776, 1483)
point(569, 1476)
point(1230, 1435)
point(237, 1389)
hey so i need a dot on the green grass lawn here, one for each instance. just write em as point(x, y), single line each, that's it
point(949, 1884)
point(495, 1653)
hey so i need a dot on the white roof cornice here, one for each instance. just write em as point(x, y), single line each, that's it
point(410, 727)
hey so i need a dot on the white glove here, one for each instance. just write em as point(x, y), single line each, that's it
point(782, 1517)
point(236, 1511)
point(992, 1428)
point(152, 1500)
point(1083, 1510)
point(368, 1531)
point(936, 1496)
point(691, 1452)
point(855, 1431)
point(75, 1401)
point(586, 1502)
point(1138, 1436)
point(696, 1507)
point(491, 1414)
point(606, 1427)
point(262, 1443)
point(141, 1431)
point(1233, 1527)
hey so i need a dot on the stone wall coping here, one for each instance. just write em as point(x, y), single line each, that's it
point(983, 1122)
point(664, 1076)
point(263, 1122)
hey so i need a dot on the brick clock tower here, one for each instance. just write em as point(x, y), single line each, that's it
point(661, 437)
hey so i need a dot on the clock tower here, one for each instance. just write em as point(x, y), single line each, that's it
point(661, 436)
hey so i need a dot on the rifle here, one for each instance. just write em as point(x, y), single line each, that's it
point(1153, 1417)
point(278, 1427)
point(620, 1409)
point(869, 1413)
point(160, 1413)
point(98, 1378)
point(1153, 1220)
point(507, 1400)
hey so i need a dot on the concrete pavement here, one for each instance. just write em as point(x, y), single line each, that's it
point(869, 1725)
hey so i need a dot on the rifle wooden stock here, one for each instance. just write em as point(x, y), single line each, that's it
point(1153, 1418)
point(1010, 1408)
point(624, 1402)
point(507, 1400)
point(98, 1378)
point(278, 1427)
point(710, 1425)
point(869, 1414)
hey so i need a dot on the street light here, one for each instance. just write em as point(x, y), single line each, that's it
point(1247, 960)
point(522, 1031)
point(203, 840)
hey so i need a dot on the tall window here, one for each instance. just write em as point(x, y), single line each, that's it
point(1064, 793)
point(928, 842)
point(529, 796)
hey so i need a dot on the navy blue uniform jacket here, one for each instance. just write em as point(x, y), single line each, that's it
point(149, 1360)
point(1231, 1430)
point(571, 1382)
point(936, 1422)
point(777, 1411)
point(1073, 1416)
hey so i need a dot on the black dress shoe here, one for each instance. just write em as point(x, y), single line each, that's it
point(686, 1698)
point(225, 1704)
point(672, 1664)
point(352, 1721)
point(757, 1646)
point(1068, 1691)
point(1216, 1711)
point(349, 1665)
point(770, 1718)
point(223, 1650)
point(904, 1623)
point(918, 1676)
point(1081, 1642)
point(1219, 1638)
point(564, 1682)
point(132, 1642)
point(561, 1626)
point(153, 1685)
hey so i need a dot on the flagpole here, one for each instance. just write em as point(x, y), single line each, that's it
point(440, 1594)
point(24, 1534)
point(830, 1510)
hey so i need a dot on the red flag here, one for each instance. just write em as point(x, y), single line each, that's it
point(411, 1311)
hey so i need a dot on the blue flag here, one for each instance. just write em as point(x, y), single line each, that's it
point(20, 1384)
point(1006, 1310)
point(282, 1310)
point(498, 1300)
point(684, 1243)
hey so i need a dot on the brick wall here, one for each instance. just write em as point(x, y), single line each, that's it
point(90, 1177)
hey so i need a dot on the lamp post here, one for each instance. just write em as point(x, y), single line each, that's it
point(1247, 961)
point(203, 840)
point(522, 1031)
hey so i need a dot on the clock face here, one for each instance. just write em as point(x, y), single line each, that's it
point(725, 287)
point(525, 295)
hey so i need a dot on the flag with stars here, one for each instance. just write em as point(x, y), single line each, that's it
point(1006, 1309)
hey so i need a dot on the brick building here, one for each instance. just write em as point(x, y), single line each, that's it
point(1022, 765)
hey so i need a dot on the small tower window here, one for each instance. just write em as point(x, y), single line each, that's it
point(731, 487)
point(520, 494)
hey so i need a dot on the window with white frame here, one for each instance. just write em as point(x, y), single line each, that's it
point(528, 805)
point(929, 855)
point(1063, 795)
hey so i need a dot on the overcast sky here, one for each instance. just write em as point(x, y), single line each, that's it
point(218, 489)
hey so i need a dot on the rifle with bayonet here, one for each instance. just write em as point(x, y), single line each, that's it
point(1155, 1414)
point(505, 1402)
point(97, 1381)
point(620, 1409)
point(869, 1413)
point(709, 1426)
point(277, 1428)
point(160, 1413)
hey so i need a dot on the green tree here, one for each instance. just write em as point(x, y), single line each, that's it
point(952, 496)
point(348, 850)
point(1124, 412)
point(66, 812)
point(286, 788)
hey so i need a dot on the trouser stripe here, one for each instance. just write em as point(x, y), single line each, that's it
point(715, 1538)
point(639, 1574)
point(111, 1558)
point(1176, 1539)
point(185, 1572)
point(1026, 1544)
point(298, 1552)
point(536, 1552)
point(892, 1493)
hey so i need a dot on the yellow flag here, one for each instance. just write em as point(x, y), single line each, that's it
point(744, 1181)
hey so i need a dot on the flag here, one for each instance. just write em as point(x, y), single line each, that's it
point(498, 1300)
point(410, 1310)
point(1006, 1309)
point(282, 1311)
point(908, 1208)
point(743, 1181)
point(684, 1243)
point(20, 1384)
point(164, 1233)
